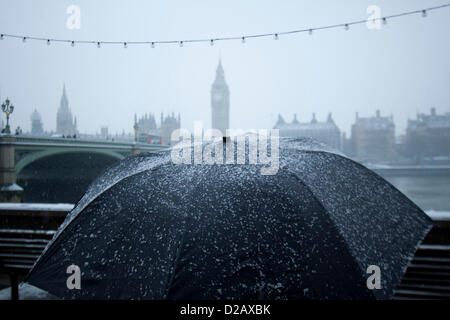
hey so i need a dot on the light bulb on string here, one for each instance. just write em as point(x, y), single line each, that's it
point(346, 26)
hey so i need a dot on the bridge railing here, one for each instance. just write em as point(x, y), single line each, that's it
point(25, 231)
point(29, 140)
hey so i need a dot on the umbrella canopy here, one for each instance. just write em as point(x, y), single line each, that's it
point(151, 229)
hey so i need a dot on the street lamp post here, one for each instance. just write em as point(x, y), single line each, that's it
point(135, 149)
point(9, 190)
point(7, 109)
point(136, 128)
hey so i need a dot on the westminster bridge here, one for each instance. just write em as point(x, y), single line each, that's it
point(57, 169)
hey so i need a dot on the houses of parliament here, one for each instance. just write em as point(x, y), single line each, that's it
point(66, 124)
point(373, 139)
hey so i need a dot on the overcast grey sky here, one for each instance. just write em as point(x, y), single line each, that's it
point(401, 69)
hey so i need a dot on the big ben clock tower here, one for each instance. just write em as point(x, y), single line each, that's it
point(220, 102)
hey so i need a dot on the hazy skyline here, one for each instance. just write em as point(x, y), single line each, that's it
point(401, 69)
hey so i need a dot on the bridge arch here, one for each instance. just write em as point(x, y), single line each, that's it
point(61, 175)
point(32, 157)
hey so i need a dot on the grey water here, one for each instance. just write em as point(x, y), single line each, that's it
point(428, 192)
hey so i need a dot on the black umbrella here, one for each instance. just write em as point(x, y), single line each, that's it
point(152, 229)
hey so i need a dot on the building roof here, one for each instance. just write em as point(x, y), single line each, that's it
point(430, 121)
point(219, 81)
point(306, 126)
point(375, 123)
point(35, 116)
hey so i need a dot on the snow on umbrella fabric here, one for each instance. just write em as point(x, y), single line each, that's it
point(150, 229)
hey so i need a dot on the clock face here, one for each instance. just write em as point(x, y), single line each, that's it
point(217, 96)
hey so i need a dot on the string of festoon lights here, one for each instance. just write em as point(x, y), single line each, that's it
point(212, 41)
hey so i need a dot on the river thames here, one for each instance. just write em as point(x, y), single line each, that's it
point(428, 192)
